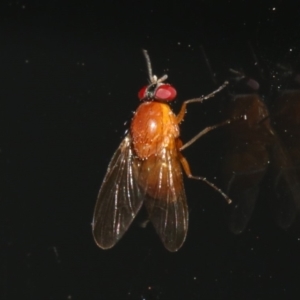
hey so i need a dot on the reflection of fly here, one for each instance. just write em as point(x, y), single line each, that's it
point(254, 149)
point(247, 156)
point(286, 113)
point(146, 168)
point(285, 117)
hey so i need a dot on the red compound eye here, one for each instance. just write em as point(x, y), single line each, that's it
point(165, 92)
point(142, 92)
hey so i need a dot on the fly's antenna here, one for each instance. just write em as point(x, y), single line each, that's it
point(153, 78)
point(148, 62)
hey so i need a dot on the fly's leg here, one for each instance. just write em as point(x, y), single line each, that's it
point(187, 170)
point(203, 132)
point(182, 111)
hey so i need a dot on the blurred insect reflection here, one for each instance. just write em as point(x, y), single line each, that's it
point(254, 151)
point(285, 112)
point(147, 169)
point(285, 109)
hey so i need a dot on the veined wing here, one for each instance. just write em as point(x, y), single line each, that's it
point(160, 178)
point(119, 198)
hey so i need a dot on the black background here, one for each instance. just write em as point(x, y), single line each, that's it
point(70, 74)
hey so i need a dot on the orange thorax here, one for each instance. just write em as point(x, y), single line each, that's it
point(153, 127)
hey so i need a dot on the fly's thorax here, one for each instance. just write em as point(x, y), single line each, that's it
point(153, 127)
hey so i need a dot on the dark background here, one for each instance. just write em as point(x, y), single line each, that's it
point(70, 74)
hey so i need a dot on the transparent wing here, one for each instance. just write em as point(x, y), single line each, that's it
point(160, 178)
point(119, 198)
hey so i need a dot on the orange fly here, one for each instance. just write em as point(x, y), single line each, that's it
point(147, 169)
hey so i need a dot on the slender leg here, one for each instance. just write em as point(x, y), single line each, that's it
point(187, 170)
point(202, 132)
point(182, 111)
